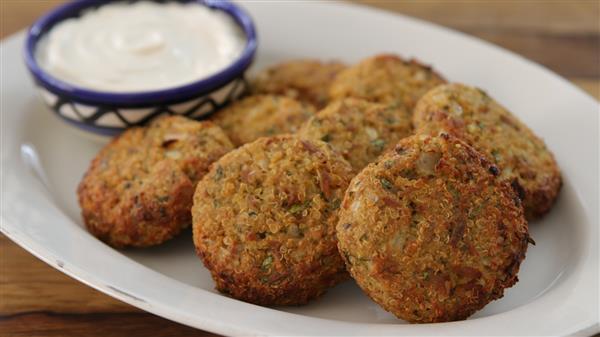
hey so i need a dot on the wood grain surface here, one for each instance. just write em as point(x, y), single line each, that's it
point(36, 300)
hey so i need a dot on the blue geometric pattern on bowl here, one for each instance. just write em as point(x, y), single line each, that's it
point(111, 120)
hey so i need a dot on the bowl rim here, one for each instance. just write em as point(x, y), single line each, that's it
point(138, 98)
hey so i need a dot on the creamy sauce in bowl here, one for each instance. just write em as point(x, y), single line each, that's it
point(143, 46)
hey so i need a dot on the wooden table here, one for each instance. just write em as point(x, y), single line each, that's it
point(36, 300)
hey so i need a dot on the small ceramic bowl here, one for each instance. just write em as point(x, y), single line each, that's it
point(106, 113)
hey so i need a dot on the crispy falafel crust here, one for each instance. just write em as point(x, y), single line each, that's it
point(358, 129)
point(139, 188)
point(387, 79)
point(264, 220)
point(430, 232)
point(304, 80)
point(257, 116)
point(470, 114)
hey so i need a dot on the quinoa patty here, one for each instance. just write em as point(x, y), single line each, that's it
point(138, 190)
point(430, 232)
point(386, 79)
point(304, 80)
point(359, 130)
point(475, 117)
point(264, 220)
point(253, 117)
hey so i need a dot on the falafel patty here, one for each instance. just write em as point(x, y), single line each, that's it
point(359, 130)
point(264, 220)
point(257, 116)
point(139, 188)
point(430, 232)
point(386, 79)
point(475, 117)
point(304, 80)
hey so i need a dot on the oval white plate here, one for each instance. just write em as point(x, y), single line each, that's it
point(43, 160)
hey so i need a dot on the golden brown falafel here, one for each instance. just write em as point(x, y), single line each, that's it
point(470, 114)
point(264, 220)
point(386, 79)
point(258, 116)
point(430, 232)
point(303, 80)
point(139, 188)
point(358, 129)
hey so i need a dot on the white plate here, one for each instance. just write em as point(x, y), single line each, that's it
point(43, 160)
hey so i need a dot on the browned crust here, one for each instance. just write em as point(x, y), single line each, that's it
point(138, 190)
point(359, 130)
point(264, 220)
point(525, 161)
point(252, 117)
point(305, 80)
point(430, 232)
point(138, 219)
point(388, 79)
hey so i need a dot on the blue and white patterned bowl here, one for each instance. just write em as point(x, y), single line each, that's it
point(105, 113)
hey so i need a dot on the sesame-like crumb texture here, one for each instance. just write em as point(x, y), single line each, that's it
point(258, 116)
point(386, 79)
point(359, 130)
point(304, 80)
point(475, 117)
point(138, 190)
point(430, 232)
point(264, 220)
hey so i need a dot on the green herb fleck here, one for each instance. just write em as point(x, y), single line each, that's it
point(298, 208)
point(335, 204)
point(266, 264)
point(453, 191)
point(386, 183)
point(477, 210)
point(163, 198)
point(219, 173)
point(426, 275)
point(378, 144)
point(270, 131)
point(326, 138)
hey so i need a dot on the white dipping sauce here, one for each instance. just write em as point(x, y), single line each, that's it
point(143, 46)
